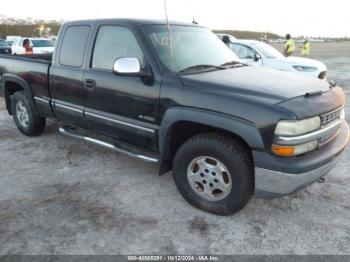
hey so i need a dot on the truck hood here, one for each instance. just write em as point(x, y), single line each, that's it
point(273, 86)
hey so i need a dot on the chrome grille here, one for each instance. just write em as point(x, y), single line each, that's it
point(330, 117)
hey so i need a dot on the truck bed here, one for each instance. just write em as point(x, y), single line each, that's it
point(32, 68)
point(37, 57)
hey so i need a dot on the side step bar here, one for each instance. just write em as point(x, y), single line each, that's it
point(69, 131)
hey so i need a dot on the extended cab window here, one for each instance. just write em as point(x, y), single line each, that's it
point(113, 42)
point(73, 45)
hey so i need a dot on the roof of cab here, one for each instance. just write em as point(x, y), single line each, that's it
point(246, 41)
point(132, 21)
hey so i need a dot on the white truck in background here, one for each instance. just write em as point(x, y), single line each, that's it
point(39, 45)
point(257, 53)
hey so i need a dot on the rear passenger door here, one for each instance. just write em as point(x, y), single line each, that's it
point(124, 107)
point(66, 74)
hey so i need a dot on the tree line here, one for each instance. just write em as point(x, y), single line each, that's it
point(248, 34)
point(27, 27)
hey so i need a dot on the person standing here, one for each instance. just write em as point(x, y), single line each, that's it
point(289, 47)
point(28, 50)
point(305, 48)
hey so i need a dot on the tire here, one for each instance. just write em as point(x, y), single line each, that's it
point(214, 172)
point(26, 120)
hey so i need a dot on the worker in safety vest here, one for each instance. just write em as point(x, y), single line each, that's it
point(305, 48)
point(289, 47)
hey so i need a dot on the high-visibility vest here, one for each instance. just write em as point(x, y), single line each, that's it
point(290, 46)
point(305, 50)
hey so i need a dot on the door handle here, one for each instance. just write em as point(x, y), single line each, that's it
point(89, 83)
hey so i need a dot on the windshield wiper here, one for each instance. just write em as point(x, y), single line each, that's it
point(233, 63)
point(201, 67)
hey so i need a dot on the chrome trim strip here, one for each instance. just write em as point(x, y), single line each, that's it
point(66, 132)
point(68, 108)
point(297, 140)
point(42, 100)
point(120, 122)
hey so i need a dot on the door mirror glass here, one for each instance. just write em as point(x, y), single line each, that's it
point(127, 66)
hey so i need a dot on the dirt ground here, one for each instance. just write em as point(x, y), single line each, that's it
point(63, 196)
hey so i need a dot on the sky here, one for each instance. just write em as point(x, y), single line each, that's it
point(297, 17)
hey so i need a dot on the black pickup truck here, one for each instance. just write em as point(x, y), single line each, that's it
point(178, 96)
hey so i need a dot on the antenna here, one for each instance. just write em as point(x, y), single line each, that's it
point(170, 37)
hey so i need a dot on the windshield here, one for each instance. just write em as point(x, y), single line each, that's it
point(42, 43)
point(3, 43)
point(267, 50)
point(191, 46)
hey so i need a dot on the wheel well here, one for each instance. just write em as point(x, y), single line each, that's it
point(182, 131)
point(10, 89)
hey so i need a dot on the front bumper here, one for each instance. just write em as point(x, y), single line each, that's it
point(275, 177)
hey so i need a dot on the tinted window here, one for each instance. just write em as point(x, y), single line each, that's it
point(42, 43)
point(73, 46)
point(113, 42)
point(3, 43)
point(242, 51)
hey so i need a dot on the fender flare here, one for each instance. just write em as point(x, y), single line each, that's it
point(240, 127)
point(21, 82)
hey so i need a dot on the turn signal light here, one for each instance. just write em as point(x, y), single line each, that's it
point(283, 150)
point(294, 150)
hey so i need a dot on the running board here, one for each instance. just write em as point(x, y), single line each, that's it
point(69, 131)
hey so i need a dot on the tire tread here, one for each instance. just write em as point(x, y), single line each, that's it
point(231, 146)
point(37, 126)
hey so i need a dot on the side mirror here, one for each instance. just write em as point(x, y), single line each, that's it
point(127, 66)
point(131, 66)
point(257, 57)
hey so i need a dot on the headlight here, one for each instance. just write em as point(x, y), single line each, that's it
point(297, 127)
point(305, 68)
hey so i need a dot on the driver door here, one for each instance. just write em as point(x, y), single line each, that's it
point(123, 107)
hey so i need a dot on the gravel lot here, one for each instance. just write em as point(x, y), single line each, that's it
point(63, 196)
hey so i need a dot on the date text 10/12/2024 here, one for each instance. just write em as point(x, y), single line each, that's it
point(173, 258)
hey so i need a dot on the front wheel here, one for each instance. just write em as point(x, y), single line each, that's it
point(26, 120)
point(214, 172)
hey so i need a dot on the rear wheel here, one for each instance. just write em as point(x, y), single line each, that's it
point(214, 173)
point(26, 120)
